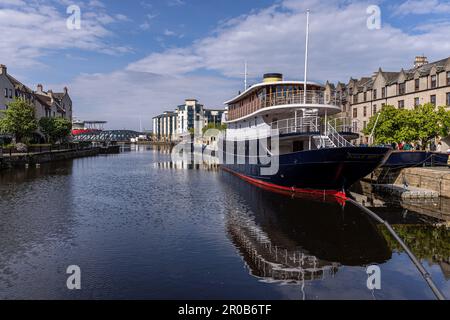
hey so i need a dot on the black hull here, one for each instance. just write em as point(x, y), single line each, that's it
point(324, 169)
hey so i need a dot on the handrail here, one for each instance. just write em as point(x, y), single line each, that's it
point(297, 125)
point(312, 97)
point(336, 138)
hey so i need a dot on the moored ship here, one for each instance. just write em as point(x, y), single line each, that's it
point(314, 153)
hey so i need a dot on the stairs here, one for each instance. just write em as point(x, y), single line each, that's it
point(323, 142)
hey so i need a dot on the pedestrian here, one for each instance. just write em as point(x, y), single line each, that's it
point(439, 147)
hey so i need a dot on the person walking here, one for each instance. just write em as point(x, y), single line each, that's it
point(439, 147)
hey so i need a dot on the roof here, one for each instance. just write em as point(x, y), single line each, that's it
point(18, 85)
point(263, 84)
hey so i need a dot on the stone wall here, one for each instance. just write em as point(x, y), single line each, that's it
point(436, 179)
point(19, 161)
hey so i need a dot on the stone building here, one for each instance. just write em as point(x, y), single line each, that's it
point(424, 83)
point(46, 103)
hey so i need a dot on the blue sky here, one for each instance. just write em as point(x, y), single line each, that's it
point(136, 58)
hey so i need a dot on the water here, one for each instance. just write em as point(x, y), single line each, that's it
point(140, 227)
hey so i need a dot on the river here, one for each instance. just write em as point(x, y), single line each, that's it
point(141, 227)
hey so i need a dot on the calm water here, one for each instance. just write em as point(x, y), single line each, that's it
point(139, 227)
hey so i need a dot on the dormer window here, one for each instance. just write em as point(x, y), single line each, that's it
point(448, 78)
point(383, 92)
point(374, 94)
point(417, 84)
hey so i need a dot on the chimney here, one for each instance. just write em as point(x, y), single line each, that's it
point(66, 91)
point(2, 69)
point(420, 61)
point(40, 88)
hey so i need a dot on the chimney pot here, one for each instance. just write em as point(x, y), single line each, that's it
point(40, 88)
point(3, 69)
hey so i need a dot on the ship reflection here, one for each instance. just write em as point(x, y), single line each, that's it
point(293, 240)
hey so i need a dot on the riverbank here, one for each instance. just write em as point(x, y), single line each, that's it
point(435, 179)
point(22, 160)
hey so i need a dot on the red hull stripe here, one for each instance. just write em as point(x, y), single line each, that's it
point(268, 185)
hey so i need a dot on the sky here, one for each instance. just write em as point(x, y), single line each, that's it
point(133, 59)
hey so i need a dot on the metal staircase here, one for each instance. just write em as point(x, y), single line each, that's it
point(323, 142)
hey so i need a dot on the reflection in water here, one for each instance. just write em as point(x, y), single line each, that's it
point(296, 239)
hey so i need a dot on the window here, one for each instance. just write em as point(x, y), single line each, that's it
point(401, 88)
point(365, 112)
point(6, 92)
point(355, 98)
point(401, 104)
point(355, 112)
point(10, 93)
point(383, 92)
point(374, 94)
point(374, 109)
point(448, 78)
point(433, 99)
point(417, 84)
point(416, 102)
point(433, 81)
point(365, 96)
point(448, 99)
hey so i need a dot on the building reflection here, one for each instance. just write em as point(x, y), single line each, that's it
point(293, 240)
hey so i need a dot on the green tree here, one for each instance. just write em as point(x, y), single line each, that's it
point(212, 125)
point(422, 123)
point(55, 129)
point(19, 120)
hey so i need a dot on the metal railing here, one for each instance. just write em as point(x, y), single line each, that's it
point(338, 140)
point(315, 126)
point(345, 125)
point(286, 98)
point(10, 151)
point(297, 125)
point(313, 97)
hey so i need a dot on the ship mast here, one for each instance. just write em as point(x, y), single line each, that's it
point(245, 76)
point(306, 56)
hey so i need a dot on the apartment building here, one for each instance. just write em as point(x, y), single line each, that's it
point(424, 83)
point(172, 125)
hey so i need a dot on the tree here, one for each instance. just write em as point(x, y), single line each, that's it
point(19, 120)
point(422, 123)
point(212, 125)
point(55, 128)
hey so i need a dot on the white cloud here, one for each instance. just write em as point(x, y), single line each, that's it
point(419, 7)
point(122, 97)
point(169, 33)
point(272, 40)
point(37, 29)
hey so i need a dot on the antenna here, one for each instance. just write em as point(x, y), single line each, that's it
point(140, 124)
point(306, 56)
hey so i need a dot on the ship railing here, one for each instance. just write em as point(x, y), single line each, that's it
point(345, 125)
point(297, 125)
point(338, 140)
point(312, 97)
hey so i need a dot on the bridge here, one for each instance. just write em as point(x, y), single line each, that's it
point(107, 136)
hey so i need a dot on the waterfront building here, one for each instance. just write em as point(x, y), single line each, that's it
point(164, 126)
point(424, 83)
point(173, 125)
point(46, 103)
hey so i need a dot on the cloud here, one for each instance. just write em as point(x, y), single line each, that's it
point(122, 97)
point(169, 33)
point(420, 7)
point(176, 3)
point(271, 40)
point(38, 29)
